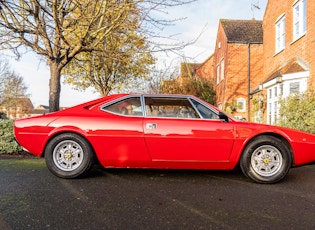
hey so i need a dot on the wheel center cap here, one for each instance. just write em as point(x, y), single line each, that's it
point(266, 160)
point(68, 155)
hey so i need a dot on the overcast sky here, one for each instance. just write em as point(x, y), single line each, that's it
point(201, 22)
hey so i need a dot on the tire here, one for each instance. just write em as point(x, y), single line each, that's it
point(266, 160)
point(69, 156)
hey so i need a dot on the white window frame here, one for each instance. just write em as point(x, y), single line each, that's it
point(241, 105)
point(218, 74)
point(296, 89)
point(283, 90)
point(272, 104)
point(280, 34)
point(222, 69)
point(299, 19)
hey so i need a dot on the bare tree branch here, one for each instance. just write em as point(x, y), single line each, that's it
point(59, 30)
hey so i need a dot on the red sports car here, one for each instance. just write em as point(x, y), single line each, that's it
point(162, 132)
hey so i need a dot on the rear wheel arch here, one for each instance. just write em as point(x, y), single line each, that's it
point(266, 158)
point(54, 135)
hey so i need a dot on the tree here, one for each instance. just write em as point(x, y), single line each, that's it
point(59, 30)
point(4, 72)
point(298, 112)
point(52, 30)
point(121, 61)
point(189, 82)
point(196, 86)
point(12, 87)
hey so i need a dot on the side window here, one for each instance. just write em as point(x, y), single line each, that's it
point(204, 111)
point(169, 107)
point(129, 106)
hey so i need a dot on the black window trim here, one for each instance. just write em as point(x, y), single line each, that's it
point(144, 112)
point(218, 113)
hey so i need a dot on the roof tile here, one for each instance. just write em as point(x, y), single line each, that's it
point(243, 31)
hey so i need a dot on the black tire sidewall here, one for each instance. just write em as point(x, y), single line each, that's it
point(88, 156)
point(245, 162)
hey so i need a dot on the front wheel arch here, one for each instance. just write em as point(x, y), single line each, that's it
point(266, 159)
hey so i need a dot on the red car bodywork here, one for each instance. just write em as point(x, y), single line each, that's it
point(124, 141)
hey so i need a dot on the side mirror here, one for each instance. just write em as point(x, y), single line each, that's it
point(224, 117)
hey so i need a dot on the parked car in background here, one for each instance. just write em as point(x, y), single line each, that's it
point(161, 132)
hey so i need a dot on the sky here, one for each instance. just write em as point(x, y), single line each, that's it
point(200, 23)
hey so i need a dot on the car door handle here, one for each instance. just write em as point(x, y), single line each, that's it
point(150, 126)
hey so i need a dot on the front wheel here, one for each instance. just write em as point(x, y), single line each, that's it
point(69, 156)
point(266, 160)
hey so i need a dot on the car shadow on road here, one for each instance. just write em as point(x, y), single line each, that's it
point(99, 171)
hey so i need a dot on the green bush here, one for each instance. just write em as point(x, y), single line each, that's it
point(298, 112)
point(196, 86)
point(8, 145)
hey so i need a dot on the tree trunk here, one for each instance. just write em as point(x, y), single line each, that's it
point(54, 87)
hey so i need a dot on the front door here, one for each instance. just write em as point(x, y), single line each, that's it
point(191, 138)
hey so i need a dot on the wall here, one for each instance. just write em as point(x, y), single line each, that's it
point(302, 48)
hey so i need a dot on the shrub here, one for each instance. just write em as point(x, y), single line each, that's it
point(196, 86)
point(298, 112)
point(8, 145)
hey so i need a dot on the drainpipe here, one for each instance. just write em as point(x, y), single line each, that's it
point(248, 86)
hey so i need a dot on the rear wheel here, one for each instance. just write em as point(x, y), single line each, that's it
point(266, 160)
point(69, 156)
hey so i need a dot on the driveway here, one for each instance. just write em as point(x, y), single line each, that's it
point(32, 198)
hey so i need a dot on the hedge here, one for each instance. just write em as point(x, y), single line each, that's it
point(298, 112)
point(8, 145)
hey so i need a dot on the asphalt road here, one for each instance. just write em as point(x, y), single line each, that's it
point(32, 198)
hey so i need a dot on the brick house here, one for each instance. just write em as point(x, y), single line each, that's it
point(237, 64)
point(39, 110)
point(205, 70)
point(17, 108)
point(256, 63)
point(236, 61)
point(289, 32)
point(42, 109)
point(187, 71)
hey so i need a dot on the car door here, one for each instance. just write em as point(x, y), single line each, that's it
point(180, 138)
point(118, 135)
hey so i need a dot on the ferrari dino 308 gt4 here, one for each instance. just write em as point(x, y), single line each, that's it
point(161, 132)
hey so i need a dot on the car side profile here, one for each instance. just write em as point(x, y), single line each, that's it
point(161, 132)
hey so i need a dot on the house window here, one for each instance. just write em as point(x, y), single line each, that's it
point(222, 69)
point(281, 89)
point(276, 91)
point(218, 74)
point(294, 87)
point(289, 84)
point(299, 19)
point(241, 105)
point(275, 112)
point(273, 104)
point(280, 34)
point(269, 113)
